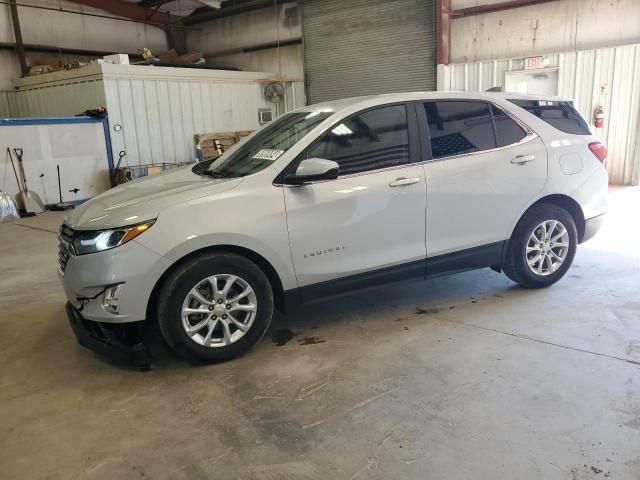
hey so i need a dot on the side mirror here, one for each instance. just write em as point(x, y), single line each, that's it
point(312, 169)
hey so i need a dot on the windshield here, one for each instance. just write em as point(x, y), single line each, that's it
point(266, 146)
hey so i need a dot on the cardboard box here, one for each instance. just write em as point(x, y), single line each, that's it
point(118, 58)
point(212, 145)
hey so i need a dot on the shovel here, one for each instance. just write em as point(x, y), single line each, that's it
point(31, 200)
point(15, 173)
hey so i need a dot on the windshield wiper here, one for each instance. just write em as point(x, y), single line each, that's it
point(214, 174)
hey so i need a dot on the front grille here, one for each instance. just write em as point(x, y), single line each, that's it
point(64, 246)
point(67, 234)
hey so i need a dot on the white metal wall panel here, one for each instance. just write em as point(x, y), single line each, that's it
point(78, 148)
point(363, 47)
point(625, 106)
point(179, 139)
point(582, 75)
point(158, 109)
point(159, 118)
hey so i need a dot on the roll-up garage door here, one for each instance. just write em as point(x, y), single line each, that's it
point(364, 47)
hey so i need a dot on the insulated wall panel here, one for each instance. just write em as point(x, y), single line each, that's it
point(609, 77)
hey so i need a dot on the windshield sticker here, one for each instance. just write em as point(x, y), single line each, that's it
point(268, 154)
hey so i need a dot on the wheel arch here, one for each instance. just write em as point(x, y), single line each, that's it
point(569, 204)
point(263, 264)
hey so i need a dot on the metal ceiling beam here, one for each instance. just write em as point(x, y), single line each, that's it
point(496, 7)
point(153, 3)
point(162, 24)
point(227, 11)
point(24, 68)
point(132, 11)
point(30, 47)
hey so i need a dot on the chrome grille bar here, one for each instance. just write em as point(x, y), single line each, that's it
point(65, 238)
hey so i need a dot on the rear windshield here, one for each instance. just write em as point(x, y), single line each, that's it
point(560, 115)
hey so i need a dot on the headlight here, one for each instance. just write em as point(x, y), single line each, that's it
point(99, 240)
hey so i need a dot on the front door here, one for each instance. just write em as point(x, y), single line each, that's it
point(371, 218)
point(485, 169)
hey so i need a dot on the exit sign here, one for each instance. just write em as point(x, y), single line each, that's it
point(531, 63)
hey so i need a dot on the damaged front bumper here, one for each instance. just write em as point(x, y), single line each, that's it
point(121, 342)
point(112, 286)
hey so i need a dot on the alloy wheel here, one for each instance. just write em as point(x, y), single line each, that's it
point(547, 247)
point(219, 310)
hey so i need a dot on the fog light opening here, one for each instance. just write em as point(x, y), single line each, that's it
point(111, 299)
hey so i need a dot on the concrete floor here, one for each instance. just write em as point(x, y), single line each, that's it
point(465, 377)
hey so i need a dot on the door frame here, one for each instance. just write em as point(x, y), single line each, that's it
point(415, 143)
point(426, 135)
point(407, 271)
point(491, 255)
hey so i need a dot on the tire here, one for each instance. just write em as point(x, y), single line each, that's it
point(524, 245)
point(191, 286)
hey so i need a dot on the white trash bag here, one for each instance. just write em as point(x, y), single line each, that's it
point(8, 208)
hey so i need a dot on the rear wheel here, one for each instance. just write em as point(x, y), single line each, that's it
point(215, 307)
point(542, 247)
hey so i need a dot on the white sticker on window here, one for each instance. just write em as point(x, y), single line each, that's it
point(268, 154)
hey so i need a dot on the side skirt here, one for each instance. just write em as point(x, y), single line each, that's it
point(360, 281)
point(491, 255)
point(470, 259)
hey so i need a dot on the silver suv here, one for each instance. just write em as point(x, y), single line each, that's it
point(329, 198)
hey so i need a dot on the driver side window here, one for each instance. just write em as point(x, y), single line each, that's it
point(366, 141)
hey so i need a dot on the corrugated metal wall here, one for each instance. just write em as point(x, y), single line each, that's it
point(159, 118)
point(581, 76)
point(363, 47)
point(59, 100)
point(5, 103)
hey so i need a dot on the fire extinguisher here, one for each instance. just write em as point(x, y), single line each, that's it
point(598, 117)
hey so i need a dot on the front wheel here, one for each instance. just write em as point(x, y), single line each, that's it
point(215, 307)
point(542, 247)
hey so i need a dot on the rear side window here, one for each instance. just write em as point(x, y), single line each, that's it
point(508, 132)
point(366, 141)
point(560, 115)
point(458, 127)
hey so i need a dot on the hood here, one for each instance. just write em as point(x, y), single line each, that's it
point(143, 199)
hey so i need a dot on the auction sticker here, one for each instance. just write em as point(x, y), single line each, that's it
point(268, 154)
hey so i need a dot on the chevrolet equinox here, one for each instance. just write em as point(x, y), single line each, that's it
point(330, 198)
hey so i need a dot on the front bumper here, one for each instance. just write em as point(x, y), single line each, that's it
point(138, 269)
point(591, 227)
point(118, 342)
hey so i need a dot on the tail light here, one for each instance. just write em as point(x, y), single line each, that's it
point(599, 150)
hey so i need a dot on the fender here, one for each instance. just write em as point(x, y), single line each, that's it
point(282, 266)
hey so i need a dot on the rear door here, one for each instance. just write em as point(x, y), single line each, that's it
point(486, 166)
point(369, 219)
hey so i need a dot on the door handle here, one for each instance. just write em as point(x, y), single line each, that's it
point(403, 181)
point(522, 159)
